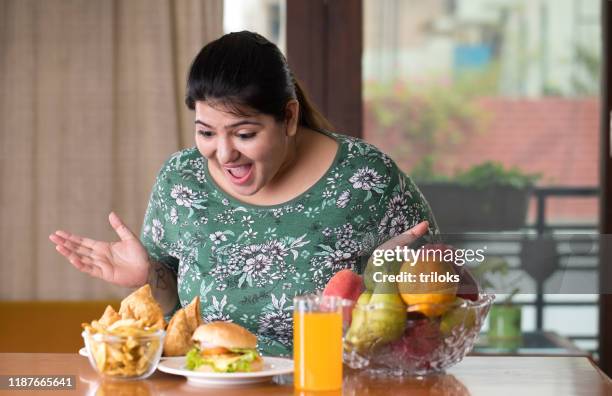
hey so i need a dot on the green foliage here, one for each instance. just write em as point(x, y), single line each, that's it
point(424, 171)
point(434, 118)
point(492, 173)
point(486, 174)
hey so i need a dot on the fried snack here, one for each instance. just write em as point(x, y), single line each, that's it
point(109, 317)
point(182, 325)
point(141, 305)
point(128, 343)
point(122, 349)
point(192, 312)
point(178, 335)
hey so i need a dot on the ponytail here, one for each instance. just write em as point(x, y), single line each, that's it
point(310, 117)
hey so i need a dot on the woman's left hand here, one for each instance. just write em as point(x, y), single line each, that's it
point(407, 237)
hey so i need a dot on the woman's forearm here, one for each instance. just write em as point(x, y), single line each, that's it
point(163, 285)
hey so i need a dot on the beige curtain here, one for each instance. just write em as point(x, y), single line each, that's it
point(91, 104)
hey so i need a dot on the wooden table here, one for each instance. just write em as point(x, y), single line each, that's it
point(542, 343)
point(475, 375)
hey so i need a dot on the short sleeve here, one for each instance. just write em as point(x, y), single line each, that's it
point(154, 233)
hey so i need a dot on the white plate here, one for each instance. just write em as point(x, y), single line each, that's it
point(272, 366)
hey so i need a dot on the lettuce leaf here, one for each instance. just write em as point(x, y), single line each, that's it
point(242, 363)
point(194, 359)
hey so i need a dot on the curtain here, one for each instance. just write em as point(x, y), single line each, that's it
point(91, 104)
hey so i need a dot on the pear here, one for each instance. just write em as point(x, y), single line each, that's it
point(390, 267)
point(358, 318)
point(368, 275)
point(457, 316)
point(364, 298)
point(378, 318)
point(388, 319)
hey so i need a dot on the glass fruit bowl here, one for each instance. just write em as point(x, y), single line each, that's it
point(129, 357)
point(385, 340)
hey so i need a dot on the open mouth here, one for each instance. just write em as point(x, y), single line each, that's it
point(239, 174)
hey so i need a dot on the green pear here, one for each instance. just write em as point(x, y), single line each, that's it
point(368, 275)
point(379, 321)
point(390, 267)
point(364, 298)
point(388, 320)
point(358, 317)
point(456, 317)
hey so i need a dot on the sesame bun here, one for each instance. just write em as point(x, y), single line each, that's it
point(224, 334)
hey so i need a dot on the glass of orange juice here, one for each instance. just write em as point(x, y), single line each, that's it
point(317, 342)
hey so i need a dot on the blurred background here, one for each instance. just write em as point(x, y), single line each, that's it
point(492, 106)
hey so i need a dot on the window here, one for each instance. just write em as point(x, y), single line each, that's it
point(464, 90)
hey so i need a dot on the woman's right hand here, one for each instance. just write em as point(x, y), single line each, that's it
point(124, 263)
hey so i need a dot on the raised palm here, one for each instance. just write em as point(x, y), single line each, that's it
point(123, 263)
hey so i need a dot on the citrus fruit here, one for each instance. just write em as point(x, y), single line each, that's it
point(432, 289)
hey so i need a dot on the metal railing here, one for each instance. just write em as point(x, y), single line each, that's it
point(543, 230)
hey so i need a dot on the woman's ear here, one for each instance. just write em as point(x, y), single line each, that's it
point(292, 113)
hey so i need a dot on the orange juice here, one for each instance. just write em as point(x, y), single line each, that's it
point(317, 350)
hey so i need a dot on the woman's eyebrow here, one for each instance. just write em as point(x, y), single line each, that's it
point(234, 125)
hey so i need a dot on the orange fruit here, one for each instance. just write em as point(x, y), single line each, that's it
point(432, 290)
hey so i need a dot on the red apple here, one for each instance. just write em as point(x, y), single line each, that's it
point(346, 284)
point(421, 337)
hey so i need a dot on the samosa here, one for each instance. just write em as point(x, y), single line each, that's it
point(141, 305)
point(109, 317)
point(180, 329)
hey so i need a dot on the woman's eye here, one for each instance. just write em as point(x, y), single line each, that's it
point(205, 133)
point(247, 135)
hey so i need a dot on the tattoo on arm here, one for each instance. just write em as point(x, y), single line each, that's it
point(160, 277)
point(161, 281)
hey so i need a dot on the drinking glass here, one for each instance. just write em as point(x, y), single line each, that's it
point(317, 342)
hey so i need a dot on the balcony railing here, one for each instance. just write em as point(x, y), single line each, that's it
point(535, 249)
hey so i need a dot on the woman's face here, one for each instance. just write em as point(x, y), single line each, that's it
point(248, 151)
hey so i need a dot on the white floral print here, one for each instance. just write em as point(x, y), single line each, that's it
point(246, 263)
point(217, 237)
point(157, 231)
point(343, 199)
point(173, 215)
point(365, 179)
point(183, 195)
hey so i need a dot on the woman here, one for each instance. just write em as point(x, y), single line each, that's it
point(268, 205)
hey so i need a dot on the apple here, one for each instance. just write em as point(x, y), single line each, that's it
point(420, 338)
point(345, 284)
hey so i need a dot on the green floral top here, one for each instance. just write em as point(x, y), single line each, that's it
point(247, 262)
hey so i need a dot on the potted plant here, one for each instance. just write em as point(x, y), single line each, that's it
point(485, 197)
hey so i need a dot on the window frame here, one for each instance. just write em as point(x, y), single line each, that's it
point(605, 206)
point(324, 48)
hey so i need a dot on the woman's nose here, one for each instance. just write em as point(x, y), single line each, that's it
point(226, 152)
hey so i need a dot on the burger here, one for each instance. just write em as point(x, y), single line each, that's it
point(223, 347)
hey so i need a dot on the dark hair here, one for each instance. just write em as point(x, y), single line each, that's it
point(244, 69)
